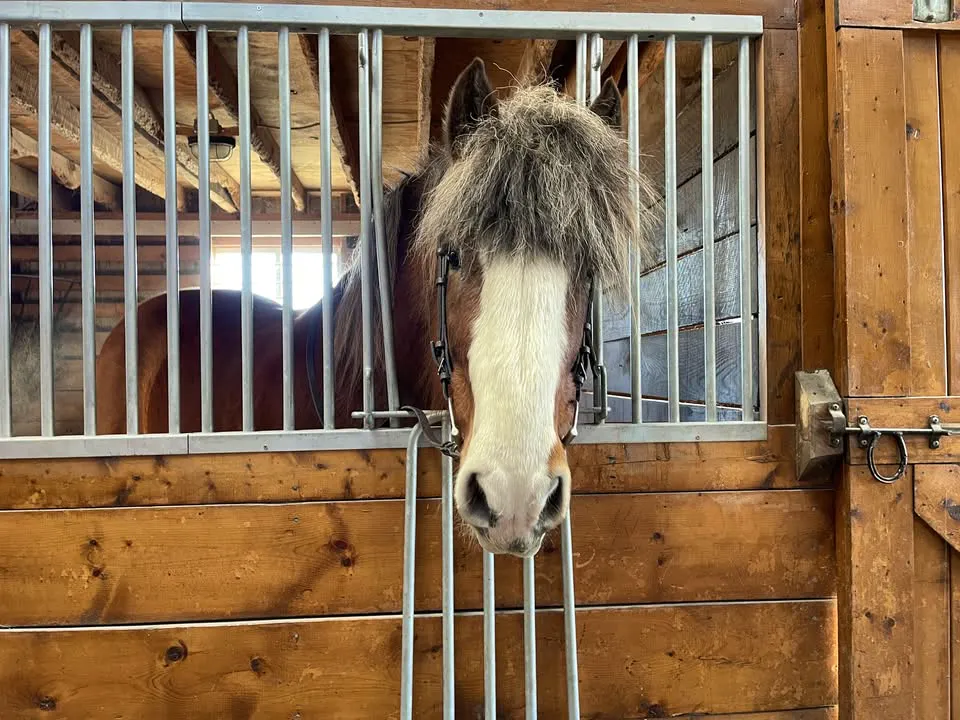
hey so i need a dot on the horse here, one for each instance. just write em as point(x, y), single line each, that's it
point(521, 206)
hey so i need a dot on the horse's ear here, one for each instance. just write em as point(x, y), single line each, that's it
point(471, 100)
point(608, 104)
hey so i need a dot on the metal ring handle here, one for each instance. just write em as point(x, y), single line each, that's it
point(901, 453)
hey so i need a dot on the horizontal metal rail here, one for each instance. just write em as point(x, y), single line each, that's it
point(318, 440)
point(393, 21)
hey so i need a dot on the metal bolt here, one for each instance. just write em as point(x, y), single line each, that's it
point(834, 406)
point(935, 419)
point(862, 421)
point(864, 443)
point(835, 442)
point(935, 444)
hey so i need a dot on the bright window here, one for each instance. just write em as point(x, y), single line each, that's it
point(227, 273)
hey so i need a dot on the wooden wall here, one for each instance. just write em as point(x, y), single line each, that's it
point(269, 585)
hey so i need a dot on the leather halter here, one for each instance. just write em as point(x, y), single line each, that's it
point(448, 260)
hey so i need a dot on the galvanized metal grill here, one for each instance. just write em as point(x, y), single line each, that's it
point(711, 418)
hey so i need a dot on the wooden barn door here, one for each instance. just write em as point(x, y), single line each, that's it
point(895, 151)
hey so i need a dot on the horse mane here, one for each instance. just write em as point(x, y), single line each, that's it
point(543, 176)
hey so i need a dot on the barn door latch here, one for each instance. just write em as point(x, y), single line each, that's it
point(822, 424)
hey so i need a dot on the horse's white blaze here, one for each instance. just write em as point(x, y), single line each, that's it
point(519, 338)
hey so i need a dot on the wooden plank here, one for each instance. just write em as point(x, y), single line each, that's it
point(873, 210)
point(925, 209)
point(662, 661)
point(816, 241)
point(426, 53)
point(931, 584)
point(349, 474)
point(950, 99)
point(954, 630)
point(252, 561)
point(875, 596)
point(911, 413)
point(887, 14)
point(690, 342)
point(781, 173)
point(935, 500)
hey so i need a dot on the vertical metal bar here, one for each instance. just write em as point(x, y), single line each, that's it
point(746, 274)
point(570, 620)
point(409, 575)
point(529, 639)
point(129, 232)
point(670, 223)
point(566, 532)
point(633, 141)
point(6, 428)
point(489, 640)
point(45, 211)
point(383, 274)
point(88, 270)
point(286, 225)
point(172, 234)
point(446, 545)
point(600, 381)
point(246, 228)
point(706, 174)
point(758, 208)
point(206, 293)
point(326, 219)
point(363, 57)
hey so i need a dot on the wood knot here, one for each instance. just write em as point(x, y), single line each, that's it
point(175, 653)
point(340, 545)
point(258, 665)
point(47, 703)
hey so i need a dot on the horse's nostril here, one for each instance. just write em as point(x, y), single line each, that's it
point(477, 505)
point(554, 503)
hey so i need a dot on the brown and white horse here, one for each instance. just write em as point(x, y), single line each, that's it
point(534, 195)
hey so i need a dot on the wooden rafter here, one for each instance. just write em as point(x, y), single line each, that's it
point(25, 182)
point(343, 142)
point(106, 74)
point(65, 122)
point(537, 61)
point(223, 84)
point(426, 53)
point(65, 171)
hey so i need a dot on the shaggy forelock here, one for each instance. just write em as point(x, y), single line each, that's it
point(543, 177)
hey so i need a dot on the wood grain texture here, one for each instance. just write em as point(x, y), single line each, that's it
point(954, 630)
point(950, 118)
point(875, 596)
point(634, 662)
point(345, 475)
point(887, 14)
point(254, 561)
point(931, 585)
point(816, 243)
point(925, 286)
point(936, 499)
point(911, 413)
point(872, 207)
point(781, 173)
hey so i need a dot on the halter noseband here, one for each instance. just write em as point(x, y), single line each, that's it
point(448, 260)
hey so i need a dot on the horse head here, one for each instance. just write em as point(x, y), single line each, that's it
point(533, 203)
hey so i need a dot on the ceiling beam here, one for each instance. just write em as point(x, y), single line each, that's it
point(25, 183)
point(426, 53)
point(536, 62)
point(107, 80)
point(223, 84)
point(345, 145)
point(65, 122)
point(66, 172)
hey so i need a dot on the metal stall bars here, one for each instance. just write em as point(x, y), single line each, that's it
point(370, 25)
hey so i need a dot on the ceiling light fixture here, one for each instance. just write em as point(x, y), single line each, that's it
point(221, 146)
